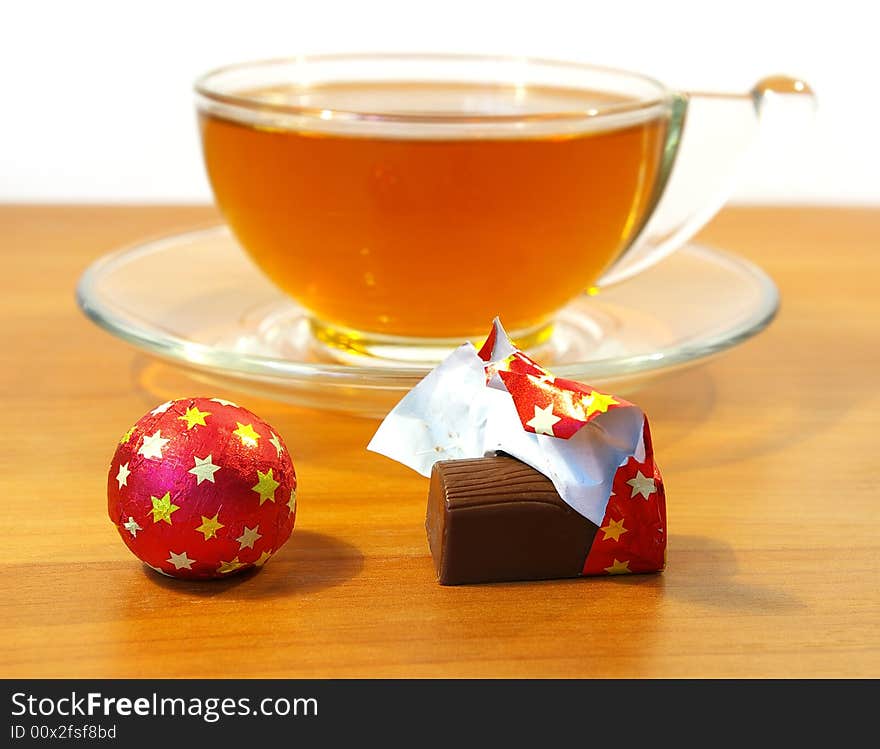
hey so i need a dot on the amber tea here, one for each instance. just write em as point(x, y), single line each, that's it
point(430, 236)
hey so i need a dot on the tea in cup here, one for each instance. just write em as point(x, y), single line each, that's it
point(406, 200)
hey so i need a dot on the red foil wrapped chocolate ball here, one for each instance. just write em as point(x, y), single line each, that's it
point(202, 488)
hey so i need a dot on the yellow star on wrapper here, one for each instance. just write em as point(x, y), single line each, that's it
point(246, 434)
point(210, 526)
point(127, 436)
point(599, 403)
point(194, 417)
point(227, 567)
point(264, 557)
point(618, 568)
point(614, 530)
point(266, 486)
point(291, 503)
point(162, 508)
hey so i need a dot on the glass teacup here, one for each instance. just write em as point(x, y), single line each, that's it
point(406, 200)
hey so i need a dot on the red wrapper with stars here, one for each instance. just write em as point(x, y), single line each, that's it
point(632, 533)
point(595, 448)
point(202, 488)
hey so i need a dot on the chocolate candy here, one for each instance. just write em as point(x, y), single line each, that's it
point(495, 519)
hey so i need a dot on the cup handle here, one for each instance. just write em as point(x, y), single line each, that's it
point(708, 138)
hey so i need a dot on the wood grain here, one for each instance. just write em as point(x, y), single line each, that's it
point(767, 453)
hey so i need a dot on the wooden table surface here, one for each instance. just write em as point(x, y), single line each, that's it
point(767, 453)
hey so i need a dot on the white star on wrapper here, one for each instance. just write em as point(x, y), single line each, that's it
point(131, 526)
point(265, 556)
point(544, 420)
point(204, 469)
point(276, 443)
point(180, 561)
point(157, 569)
point(122, 476)
point(223, 402)
point(161, 408)
point(153, 444)
point(641, 484)
point(250, 536)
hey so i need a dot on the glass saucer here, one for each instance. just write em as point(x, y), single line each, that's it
point(197, 300)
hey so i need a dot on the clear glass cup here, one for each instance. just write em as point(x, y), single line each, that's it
point(405, 200)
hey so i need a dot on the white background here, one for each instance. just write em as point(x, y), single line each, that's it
point(96, 104)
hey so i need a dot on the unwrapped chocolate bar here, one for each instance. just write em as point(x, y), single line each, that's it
point(492, 519)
